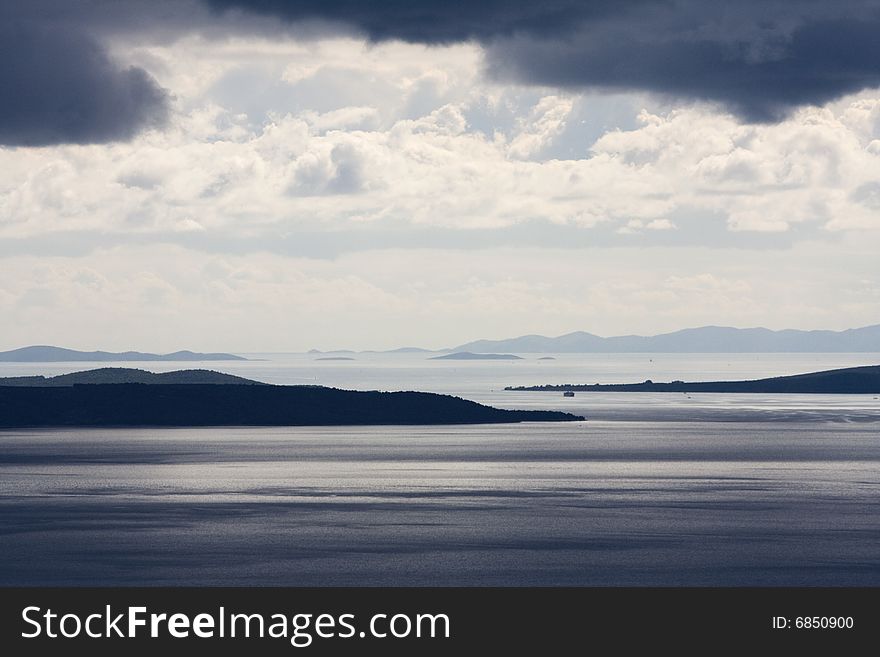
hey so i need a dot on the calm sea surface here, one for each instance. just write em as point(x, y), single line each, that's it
point(653, 490)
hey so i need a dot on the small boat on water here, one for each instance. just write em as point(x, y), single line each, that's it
point(568, 393)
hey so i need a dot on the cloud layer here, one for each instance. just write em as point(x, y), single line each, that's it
point(304, 182)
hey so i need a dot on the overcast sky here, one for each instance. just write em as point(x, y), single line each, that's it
point(276, 176)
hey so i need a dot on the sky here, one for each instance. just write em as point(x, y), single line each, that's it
point(277, 176)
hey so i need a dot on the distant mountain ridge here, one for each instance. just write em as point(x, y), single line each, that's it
point(707, 339)
point(50, 354)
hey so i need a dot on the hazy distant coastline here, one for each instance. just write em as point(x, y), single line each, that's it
point(707, 339)
point(50, 354)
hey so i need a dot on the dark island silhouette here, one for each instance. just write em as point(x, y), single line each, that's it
point(41, 402)
point(850, 380)
point(49, 354)
point(128, 375)
point(466, 355)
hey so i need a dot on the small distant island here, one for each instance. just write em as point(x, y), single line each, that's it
point(546, 358)
point(408, 350)
point(119, 397)
point(467, 355)
point(49, 354)
point(336, 358)
point(850, 380)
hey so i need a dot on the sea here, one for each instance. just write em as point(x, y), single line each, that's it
point(652, 489)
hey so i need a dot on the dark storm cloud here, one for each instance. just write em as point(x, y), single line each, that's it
point(59, 86)
point(760, 59)
point(440, 21)
point(816, 63)
point(58, 83)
